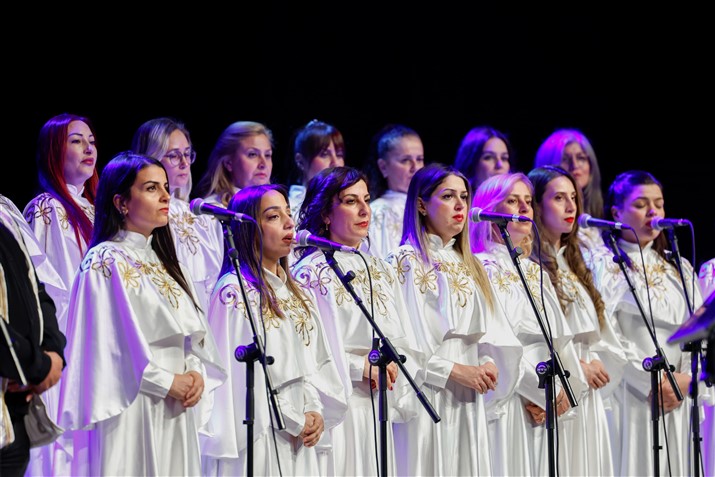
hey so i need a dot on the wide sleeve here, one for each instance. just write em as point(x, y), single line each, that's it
point(107, 351)
point(502, 347)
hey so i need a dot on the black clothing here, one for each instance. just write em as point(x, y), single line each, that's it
point(24, 329)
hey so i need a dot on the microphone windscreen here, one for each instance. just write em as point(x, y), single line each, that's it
point(302, 237)
point(195, 205)
point(583, 221)
point(474, 215)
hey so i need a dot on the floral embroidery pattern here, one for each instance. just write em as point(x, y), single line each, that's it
point(131, 271)
point(458, 279)
point(656, 273)
point(303, 324)
point(43, 206)
point(320, 276)
point(183, 228)
point(568, 282)
point(230, 296)
point(505, 280)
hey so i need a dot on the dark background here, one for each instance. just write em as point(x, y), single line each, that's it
point(634, 84)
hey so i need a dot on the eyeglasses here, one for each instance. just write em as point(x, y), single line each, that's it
point(176, 155)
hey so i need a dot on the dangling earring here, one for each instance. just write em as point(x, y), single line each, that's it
point(327, 226)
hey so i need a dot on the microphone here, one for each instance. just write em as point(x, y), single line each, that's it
point(199, 206)
point(586, 221)
point(305, 238)
point(659, 223)
point(479, 215)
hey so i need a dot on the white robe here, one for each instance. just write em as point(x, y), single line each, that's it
point(631, 414)
point(707, 285)
point(518, 443)
point(59, 254)
point(199, 247)
point(588, 433)
point(296, 194)
point(450, 316)
point(388, 212)
point(303, 374)
point(48, 220)
point(590, 237)
point(350, 335)
point(130, 329)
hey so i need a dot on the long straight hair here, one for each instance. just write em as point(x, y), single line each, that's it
point(248, 246)
point(414, 228)
point(50, 158)
point(117, 178)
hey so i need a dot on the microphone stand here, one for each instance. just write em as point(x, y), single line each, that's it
point(652, 364)
point(546, 369)
point(380, 356)
point(695, 348)
point(249, 354)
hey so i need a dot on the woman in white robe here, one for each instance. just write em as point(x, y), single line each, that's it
point(310, 393)
point(336, 208)
point(198, 238)
point(138, 344)
point(242, 156)
point(451, 306)
point(61, 218)
point(519, 439)
point(557, 206)
point(315, 146)
point(396, 154)
point(634, 199)
point(707, 285)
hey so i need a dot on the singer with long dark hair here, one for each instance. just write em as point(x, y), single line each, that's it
point(557, 207)
point(460, 325)
point(138, 342)
point(337, 208)
point(518, 436)
point(310, 393)
point(635, 198)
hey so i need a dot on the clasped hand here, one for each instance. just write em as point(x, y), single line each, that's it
point(538, 414)
point(313, 429)
point(187, 388)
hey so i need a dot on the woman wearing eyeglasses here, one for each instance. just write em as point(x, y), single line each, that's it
point(571, 150)
point(198, 238)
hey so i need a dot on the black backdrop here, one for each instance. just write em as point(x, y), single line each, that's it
point(635, 88)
